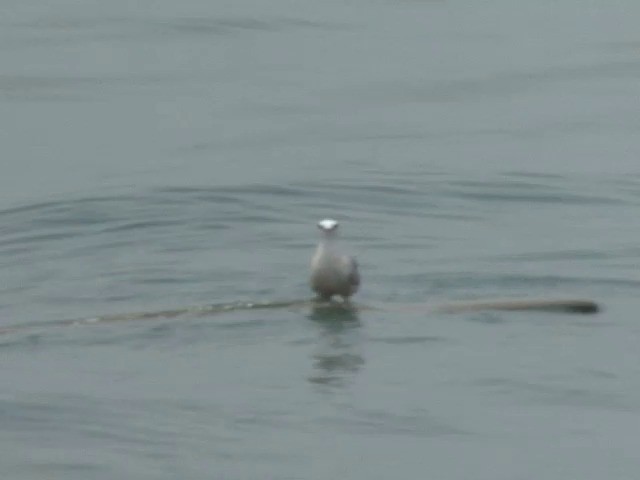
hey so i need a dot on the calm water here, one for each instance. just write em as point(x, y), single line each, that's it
point(174, 157)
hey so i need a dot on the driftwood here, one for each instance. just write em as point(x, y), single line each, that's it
point(563, 306)
point(541, 305)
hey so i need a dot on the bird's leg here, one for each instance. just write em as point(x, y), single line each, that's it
point(346, 301)
point(323, 298)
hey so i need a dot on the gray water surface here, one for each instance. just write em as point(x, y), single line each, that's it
point(164, 166)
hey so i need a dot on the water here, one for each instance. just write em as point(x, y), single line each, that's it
point(163, 168)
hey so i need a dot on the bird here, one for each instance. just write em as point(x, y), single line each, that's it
point(333, 272)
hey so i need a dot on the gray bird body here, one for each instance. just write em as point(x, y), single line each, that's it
point(332, 272)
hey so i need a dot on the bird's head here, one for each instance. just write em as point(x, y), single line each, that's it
point(328, 226)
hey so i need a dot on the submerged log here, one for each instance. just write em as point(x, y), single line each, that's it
point(561, 305)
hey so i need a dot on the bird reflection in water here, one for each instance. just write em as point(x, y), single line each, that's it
point(338, 356)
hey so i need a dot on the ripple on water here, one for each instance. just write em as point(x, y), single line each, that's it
point(385, 422)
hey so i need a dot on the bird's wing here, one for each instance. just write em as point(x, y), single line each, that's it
point(354, 273)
